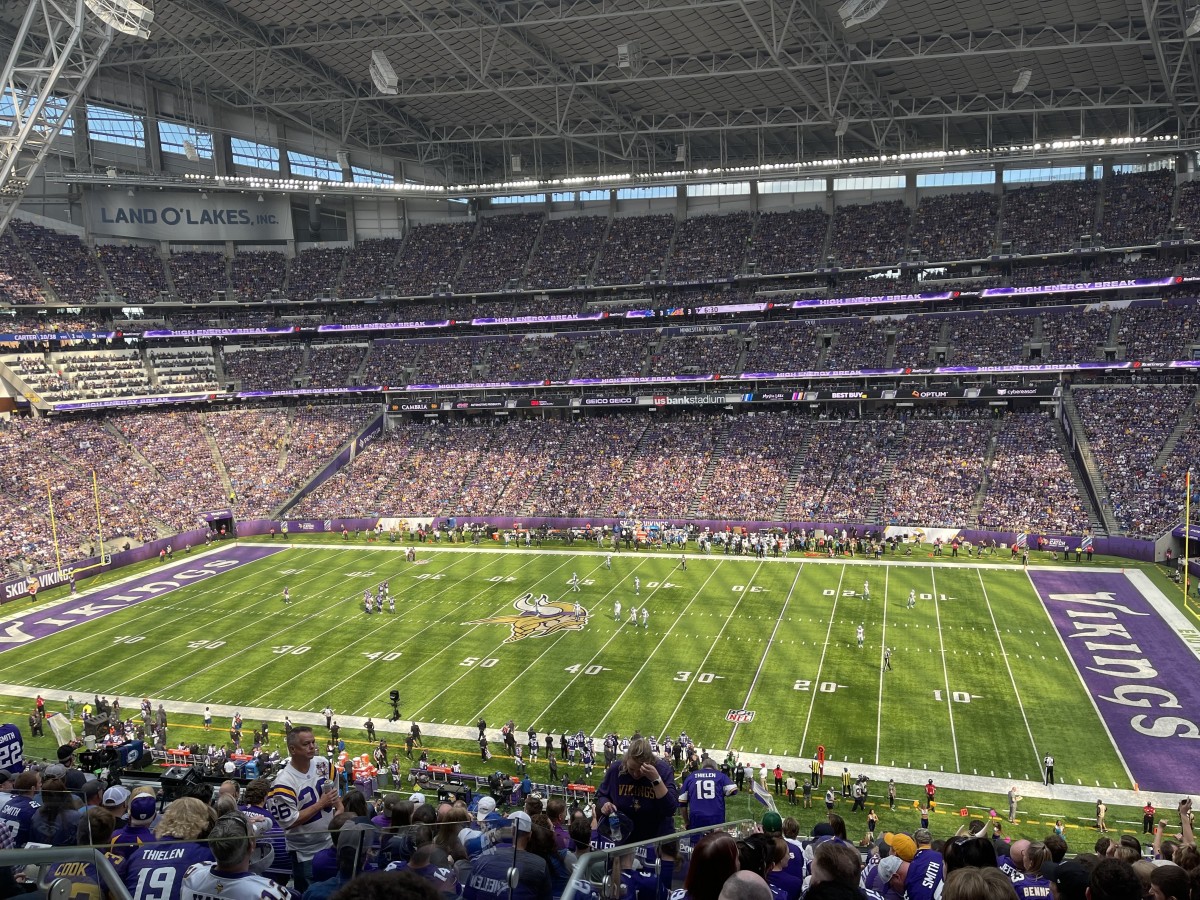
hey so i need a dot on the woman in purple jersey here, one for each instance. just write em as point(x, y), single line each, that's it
point(155, 871)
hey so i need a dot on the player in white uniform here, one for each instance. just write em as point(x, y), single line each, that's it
point(287, 598)
point(866, 590)
point(633, 611)
point(575, 581)
point(912, 599)
point(617, 611)
point(861, 634)
point(608, 561)
point(637, 586)
point(391, 603)
point(578, 611)
point(367, 602)
point(645, 617)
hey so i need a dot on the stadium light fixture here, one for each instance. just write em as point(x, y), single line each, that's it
point(126, 16)
point(1024, 76)
point(1194, 26)
point(189, 150)
point(856, 12)
point(680, 153)
point(383, 76)
point(843, 126)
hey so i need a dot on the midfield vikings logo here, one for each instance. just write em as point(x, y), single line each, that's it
point(538, 617)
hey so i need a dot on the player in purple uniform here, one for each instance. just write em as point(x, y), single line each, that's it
point(703, 795)
point(155, 871)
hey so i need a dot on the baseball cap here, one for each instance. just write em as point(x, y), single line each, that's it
point(889, 866)
point(1071, 878)
point(6, 776)
point(521, 822)
point(142, 810)
point(56, 770)
point(902, 845)
point(485, 806)
point(417, 799)
point(115, 796)
point(65, 752)
point(772, 822)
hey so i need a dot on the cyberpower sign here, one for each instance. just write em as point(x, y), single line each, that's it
point(175, 216)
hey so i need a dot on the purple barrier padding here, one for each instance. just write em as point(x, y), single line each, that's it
point(485, 385)
point(18, 588)
point(130, 401)
point(217, 514)
point(45, 622)
point(822, 302)
point(836, 373)
point(59, 336)
point(1184, 364)
point(1115, 285)
point(1143, 677)
point(219, 332)
point(252, 527)
point(1193, 536)
point(385, 326)
point(364, 439)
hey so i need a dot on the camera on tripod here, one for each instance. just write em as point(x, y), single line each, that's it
point(394, 696)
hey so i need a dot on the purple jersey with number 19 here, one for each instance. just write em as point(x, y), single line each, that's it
point(705, 792)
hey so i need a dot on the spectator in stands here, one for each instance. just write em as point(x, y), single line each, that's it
point(232, 841)
point(182, 828)
point(641, 786)
point(303, 800)
point(488, 876)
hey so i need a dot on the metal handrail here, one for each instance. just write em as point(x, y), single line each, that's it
point(49, 855)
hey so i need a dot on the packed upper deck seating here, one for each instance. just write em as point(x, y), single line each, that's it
point(369, 267)
point(636, 247)
point(1075, 335)
point(499, 252)
point(692, 355)
point(566, 251)
point(783, 347)
point(992, 339)
point(198, 275)
point(332, 365)
point(431, 257)
point(257, 275)
point(955, 226)
point(265, 369)
point(869, 234)
point(613, 354)
point(315, 272)
point(1161, 334)
point(916, 336)
point(1137, 207)
point(136, 272)
point(1049, 218)
point(534, 359)
point(19, 281)
point(858, 344)
point(71, 268)
point(709, 247)
point(789, 241)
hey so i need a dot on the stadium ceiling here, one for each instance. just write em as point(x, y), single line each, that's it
point(595, 86)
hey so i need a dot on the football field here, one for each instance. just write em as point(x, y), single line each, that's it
point(752, 655)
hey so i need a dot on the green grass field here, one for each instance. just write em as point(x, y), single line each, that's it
point(980, 683)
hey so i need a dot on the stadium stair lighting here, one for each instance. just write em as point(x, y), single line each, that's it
point(383, 76)
point(126, 16)
point(1193, 28)
point(1024, 76)
point(855, 12)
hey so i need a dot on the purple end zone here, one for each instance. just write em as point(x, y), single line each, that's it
point(1143, 677)
point(44, 622)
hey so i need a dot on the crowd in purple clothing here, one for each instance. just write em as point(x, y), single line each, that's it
point(1136, 208)
point(1001, 340)
point(789, 241)
point(937, 467)
point(751, 472)
point(370, 267)
point(915, 337)
point(1049, 218)
point(955, 226)
point(256, 274)
point(869, 234)
point(431, 257)
point(1128, 428)
point(784, 347)
point(70, 267)
point(1029, 484)
point(198, 275)
point(333, 365)
point(1166, 333)
point(689, 354)
point(636, 246)
point(858, 344)
point(136, 272)
point(501, 246)
point(844, 491)
point(263, 369)
point(19, 282)
point(709, 247)
point(566, 250)
point(315, 272)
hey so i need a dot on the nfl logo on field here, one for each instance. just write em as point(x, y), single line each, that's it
point(740, 716)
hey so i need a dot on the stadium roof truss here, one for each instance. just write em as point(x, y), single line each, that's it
point(587, 86)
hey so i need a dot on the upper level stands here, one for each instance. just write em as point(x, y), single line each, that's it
point(431, 257)
point(871, 234)
point(182, 369)
point(955, 226)
point(370, 267)
point(70, 268)
point(1049, 218)
point(566, 251)
point(636, 247)
point(789, 241)
point(334, 365)
point(315, 271)
point(498, 253)
point(709, 247)
point(136, 273)
point(263, 368)
point(198, 275)
point(19, 281)
point(256, 275)
point(1167, 333)
point(1136, 208)
point(696, 354)
point(783, 347)
point(1128, 429)
point(1187, 207)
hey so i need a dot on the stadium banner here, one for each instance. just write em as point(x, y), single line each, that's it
point(307, 526)
point(35, 336)
point(825, 302)
point(183, 216)
point(1140, 659)
point(538, 320)
point(1115, 285)
point(113, 402)
point(156, 333)
point(384, 326)
point(1194, 532)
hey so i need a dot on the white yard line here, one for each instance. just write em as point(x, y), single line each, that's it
point(649, 656)
point(1037, 759)
point(882, 651)
point(1167, 610)
point(825, 649)
point(711, 647)
point(1095, 707)
point(766, 650)
point(945, 671)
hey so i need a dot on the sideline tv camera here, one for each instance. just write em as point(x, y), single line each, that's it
point(394, 696)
